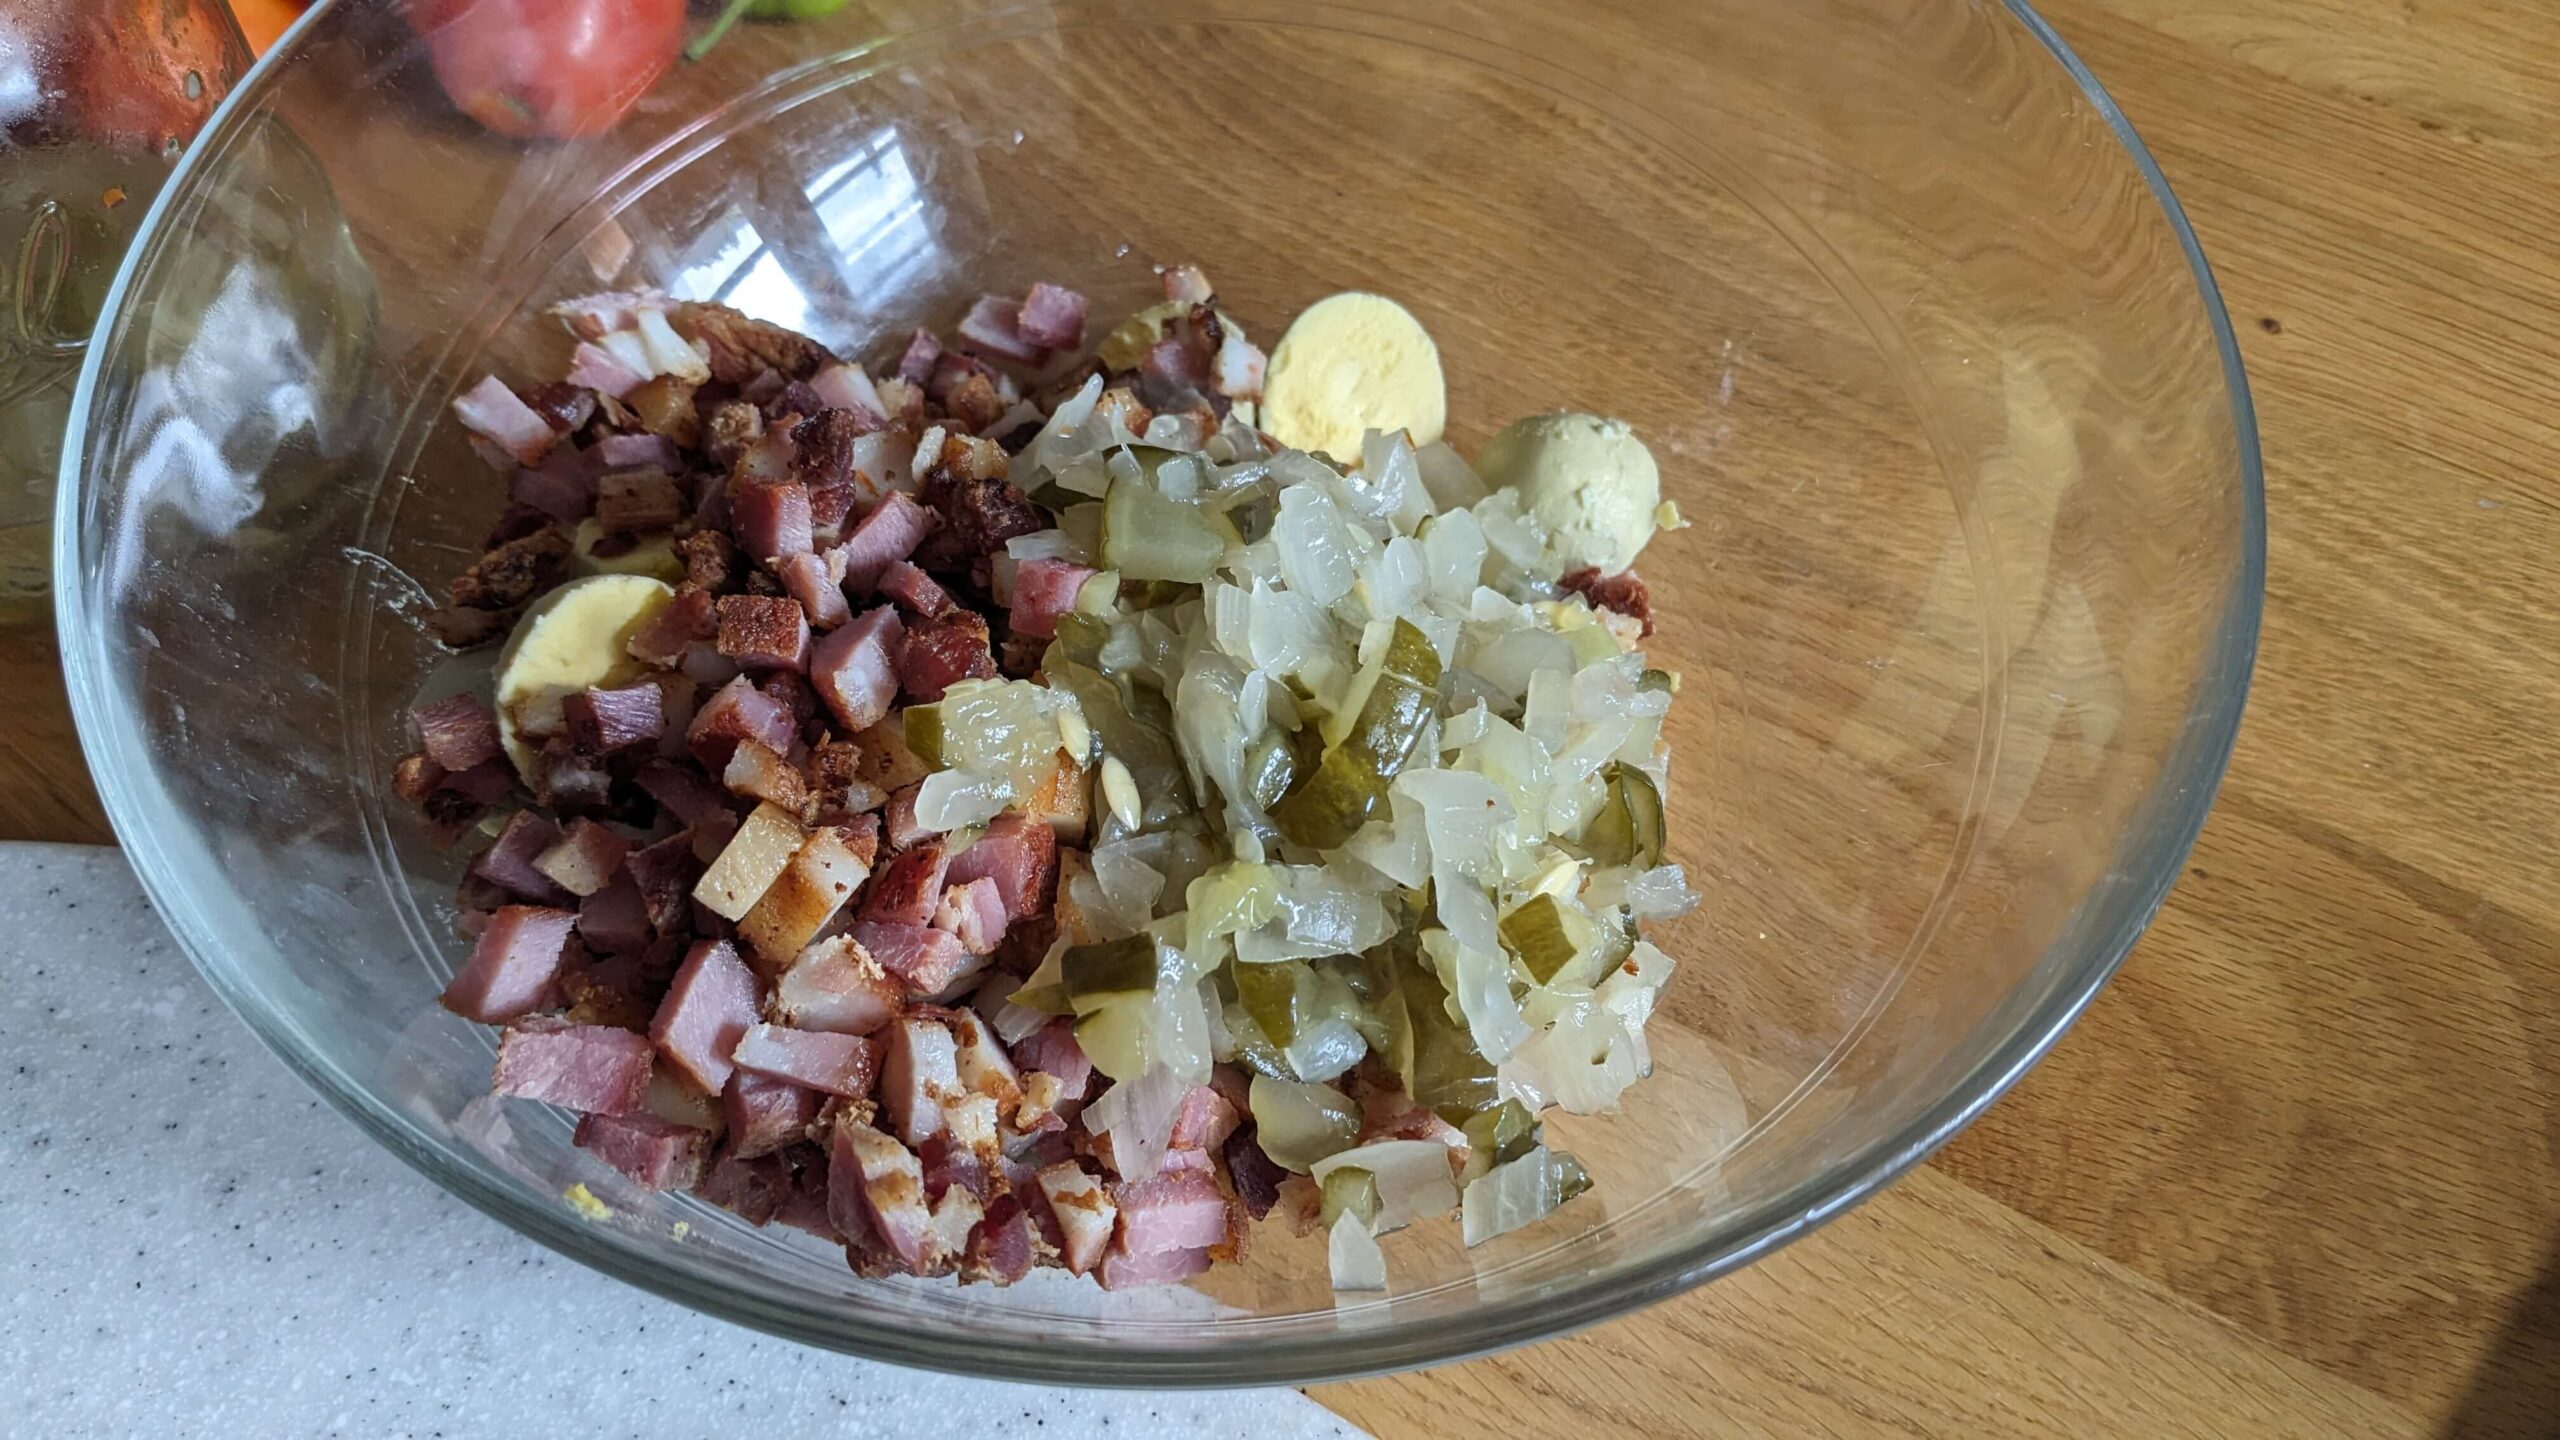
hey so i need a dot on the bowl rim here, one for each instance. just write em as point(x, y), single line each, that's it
point(2190, 776)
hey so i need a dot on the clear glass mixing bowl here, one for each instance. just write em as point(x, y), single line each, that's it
point(1911, 320)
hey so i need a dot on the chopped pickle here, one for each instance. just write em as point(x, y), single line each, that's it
point(1113, 1035)
point(1543, 934)
point(1352, 1189)
point(1301, 1125)
point(1134, 726)
point(1269, 994)
point(1269, 768)
point(1330, 805)
point(1230, 899)
point(1250, 510)
point(923, 733)
point(1666, 682)
point(1096, 975)
point(1570, 1178)
point(1431, 1052)
point(1044, 989)
point(1629, 829)
point(1499, 1135)
point(1146, 536)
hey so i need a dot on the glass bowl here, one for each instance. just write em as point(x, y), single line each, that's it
point(1928, 355)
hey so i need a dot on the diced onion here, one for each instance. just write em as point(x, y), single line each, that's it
point(1353, 1255)
point(1413, 1178)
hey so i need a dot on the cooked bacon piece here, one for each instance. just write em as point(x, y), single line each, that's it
point(598, 369)
point(840, 792)
point(656, 1154)
point(615, 920)
point(1053, 317)
point(993, 327)
point(593, 317)
point(596, 1069)
point(765, 1114)
point(771, 520)
point(973, 914)
point(1085, 1213)
point(817, 582)
point(950, 1163)
point(508, 862)
point(415, 777)
point(689, 618)
point(741, 348)
point(513, 966)
point(1043, 590)
point(664, 874)
point(460, 627)
point(1164, 1267)
point(973, 403)
point(751, 862)
point(684, 791)
point(1186, 285)
point(752, 1187)
point(855, 667)
point(570, 782)
point(915, 590)
point(845, 1065)
point(985, 1069)
point(601, 721)
point(710, 560)
point(1178, 365)
point(1121, 404)
point(822, 876)
point(1255, 1175)
point(457, 732)
point(915, 366)
point(886, 760)
point(630, 501)
point(763, 632)
point(898, 823)
point(919, 1075)
point(959, 457)
point(909, 888)
point(926, 960)
point(584, 857)
point(847, 390)
point(510, 573)
point(709, 1005)
point(822, 454)
point(888, 534)
point(738, 711)
point(1204, 1122)
point(1624, 594)
point(836, 986)
point(1000, 1249)
point(1044, 1105)
point(486, 783)
point(1052, 1050)
point(1172, 1210)
point(756, 773)
point(498, 415)
point(562, 488)
point(871, 1174)
point(804, 1205)
point(636, 452)
point(1020, 853)
point(664, 406)
point(983, 513)
point(618, 990)
point(733, 426)
point(938, 654)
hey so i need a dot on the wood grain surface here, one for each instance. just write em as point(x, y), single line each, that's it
point(2298, 1170)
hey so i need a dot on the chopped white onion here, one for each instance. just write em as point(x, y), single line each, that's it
point(1138, 1116)
point(1352, 1254)
point(1413, 1177)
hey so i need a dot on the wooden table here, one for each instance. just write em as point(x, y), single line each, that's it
point(2298, 1171)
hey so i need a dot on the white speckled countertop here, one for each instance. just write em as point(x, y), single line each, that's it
point(192, 1244)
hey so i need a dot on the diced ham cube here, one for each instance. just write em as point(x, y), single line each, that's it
point(755, 772)
point(664, 874)
point(973, 914)
point(1052, 317)
point(584, 858)
point(849, 389)
point(599, 370)
point(683, 790)
point(836, 986)
point(1043, 1107)
point(915, 590)
point(709, 1005)
point(597, 1069)
point(631, 501)
point(908, 889)
point(1204, 1122)
point(486, 783)
point(754, 1187)
point(993, 327)
point(1173, 1210)
point(498, 415)
point(1164, 1267)
point(739, 711)
point(1020, 853)
point(919, 1074)
point(764, 632)
point(638, 452)
point(817, 582)
point(508, 862)
point(1085, 1212)
point(457, 732)
point(984, 1067)
point(890, 533)
point(513, 967)
point(845, 1065)
point(1000, 1249)
point(821, 878)
point(656, 1154)
point(951, 1163)
point(1052, 1049)
point(765, 1114)
point(804, 1206)
point(771, 520)
point(563, 487)
point(928, 961)
point(855, 668)
point(665, 638)
point(601, 721)
point(915, 366)
point(938, 654)
point(753, 859)
point(1043, 590)
point(886, 1185)
point(898, 824)
point(615, 920)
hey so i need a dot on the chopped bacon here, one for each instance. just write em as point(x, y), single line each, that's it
point(755, 772)
point(993, 327)
point(973, 914)
point(584, 857)
point(1624, 593)
point(710, 561)
point(1255, 1175)
point(498, 415)
point(709, 1005)
point(888, 534)
point(836, 986)
point(1052, 1050)
point(1164, 1267)
point(1085, 1213)
point(600, 370)
point(938, 654)
point(974, 403)
point(562, 488)
point(1241, 367)
point(1173, 1210)
point(570, 782)
point(764, 632)
point(664, 874)
point(1043, 590)
point(601, 721)
point(817, 582)
point(821, 878)
point(739, 711)
point(510, 573)
point(845, 1065)
point(1020, 853)
point(1052, 317)
point(597, 1069)
point(915, 366)
point(508, 862)
point(909, 888)
point(1001, 1249)
point(983, 513)
point(928, 961)
point(1205, 1120)
point(684, 791)
point(513, 967)
point(1186, 285)
point(985, 1069)
point(771, 519)
point(415, 777)
point(754, 1188)
point(637, 452)
point(1177, 365)
point(855, 670)
point(898, 823)
point(457, 732)
point(741, 347)
point(766, 1114)
point(848, 390)
point(915, 590)
point(615, 920)
point(949, 1163)
point(656, 1154)
point(629, 501)
point(835, 779)
point(664, 638)
point(871, 1174)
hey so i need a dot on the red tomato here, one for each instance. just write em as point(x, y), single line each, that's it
point(549, 67)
